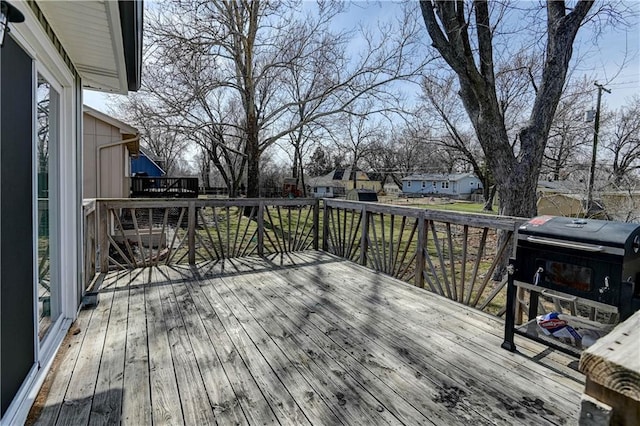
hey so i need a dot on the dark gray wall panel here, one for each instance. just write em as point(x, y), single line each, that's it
point(16, 227)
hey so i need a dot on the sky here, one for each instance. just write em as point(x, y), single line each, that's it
point(612, 58)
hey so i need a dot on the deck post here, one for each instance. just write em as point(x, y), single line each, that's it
point(364, 240)
point(419, 276)
point(316, 223)
point(260, 228)
point(325, 226)
point(191, 218)
point(103, 236)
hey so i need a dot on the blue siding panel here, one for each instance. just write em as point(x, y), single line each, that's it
point(142, 164)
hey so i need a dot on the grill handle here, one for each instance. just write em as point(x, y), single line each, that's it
point(565, 244)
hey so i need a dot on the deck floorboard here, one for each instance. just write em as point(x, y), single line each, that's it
point(305, 338)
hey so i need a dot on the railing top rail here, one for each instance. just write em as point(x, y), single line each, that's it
point(201, 202)
point(474, 219)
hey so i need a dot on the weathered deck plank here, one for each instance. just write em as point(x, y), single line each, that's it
point(446, 336)
point(225, 406)
point(107, 400)
point(280, 400)
point(247, 393)
point(366, 399)
point(76, 408)
point(457, 387)
point(136, 399)
point(301, 339)
point(195, 405)
point(165, 395)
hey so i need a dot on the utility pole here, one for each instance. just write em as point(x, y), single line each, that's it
point(596, 128)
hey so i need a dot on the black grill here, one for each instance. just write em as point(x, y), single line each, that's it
point(577, 260)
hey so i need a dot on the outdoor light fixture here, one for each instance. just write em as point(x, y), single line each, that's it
point(8, 14)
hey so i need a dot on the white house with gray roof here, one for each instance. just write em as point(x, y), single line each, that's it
point(459, 185)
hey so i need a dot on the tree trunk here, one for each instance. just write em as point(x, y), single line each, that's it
point(489, 194)
point(516, 176)
point(253, 171)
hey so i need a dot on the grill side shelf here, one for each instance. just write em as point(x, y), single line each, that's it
point(602, 307)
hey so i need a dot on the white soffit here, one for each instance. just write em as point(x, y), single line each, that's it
point(91, 34)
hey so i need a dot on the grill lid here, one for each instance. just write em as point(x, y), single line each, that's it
point(590, 231)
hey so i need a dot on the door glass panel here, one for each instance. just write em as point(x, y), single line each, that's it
point(47, 113)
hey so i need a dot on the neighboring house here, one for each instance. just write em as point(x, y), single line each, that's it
point(391, 189)
point(54, 49)
point(555, 204)
point(108, 146)
point(146, 164)
point(459, 185)
point(340, 181)
point(568, 198)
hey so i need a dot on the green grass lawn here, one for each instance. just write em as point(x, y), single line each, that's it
point(458, 207)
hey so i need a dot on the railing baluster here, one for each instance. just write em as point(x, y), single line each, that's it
point(228, 245)
point(191, 232)
point(235, 250)
point(463, 272)
point(432, 268)
point(420, 249)
point(376, 247)
point(494, 264)
point(325, 227)
point(124, 239)
point(296, 239)
point(353, 246)
point(312, 232)
point(443, 269)
point(151, 262)
point(206, 229)
point(137, 230)
point(452, 264)
point(283, 245)
point(333, 237)
point(103, 241)
point(476, 266)
point(364, 236)
point(316, 223)
point(252, 214)
point(216, 223)
point(261, 229)
point(391, 250)
point(171, 251)
point(165, 218)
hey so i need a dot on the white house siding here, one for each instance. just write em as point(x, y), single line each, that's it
point(34, 57)
point(323, 192)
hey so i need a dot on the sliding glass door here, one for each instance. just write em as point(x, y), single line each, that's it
point(47, 144)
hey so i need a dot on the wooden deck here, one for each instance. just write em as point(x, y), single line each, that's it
point(304, 339)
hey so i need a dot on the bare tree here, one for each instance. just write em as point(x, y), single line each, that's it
point(320, 162)
point(569, 134)
point(622, 140)
point(355, 141)
point(464, 33)
point(442, 106)
point(158, 134)
point(247, 53)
